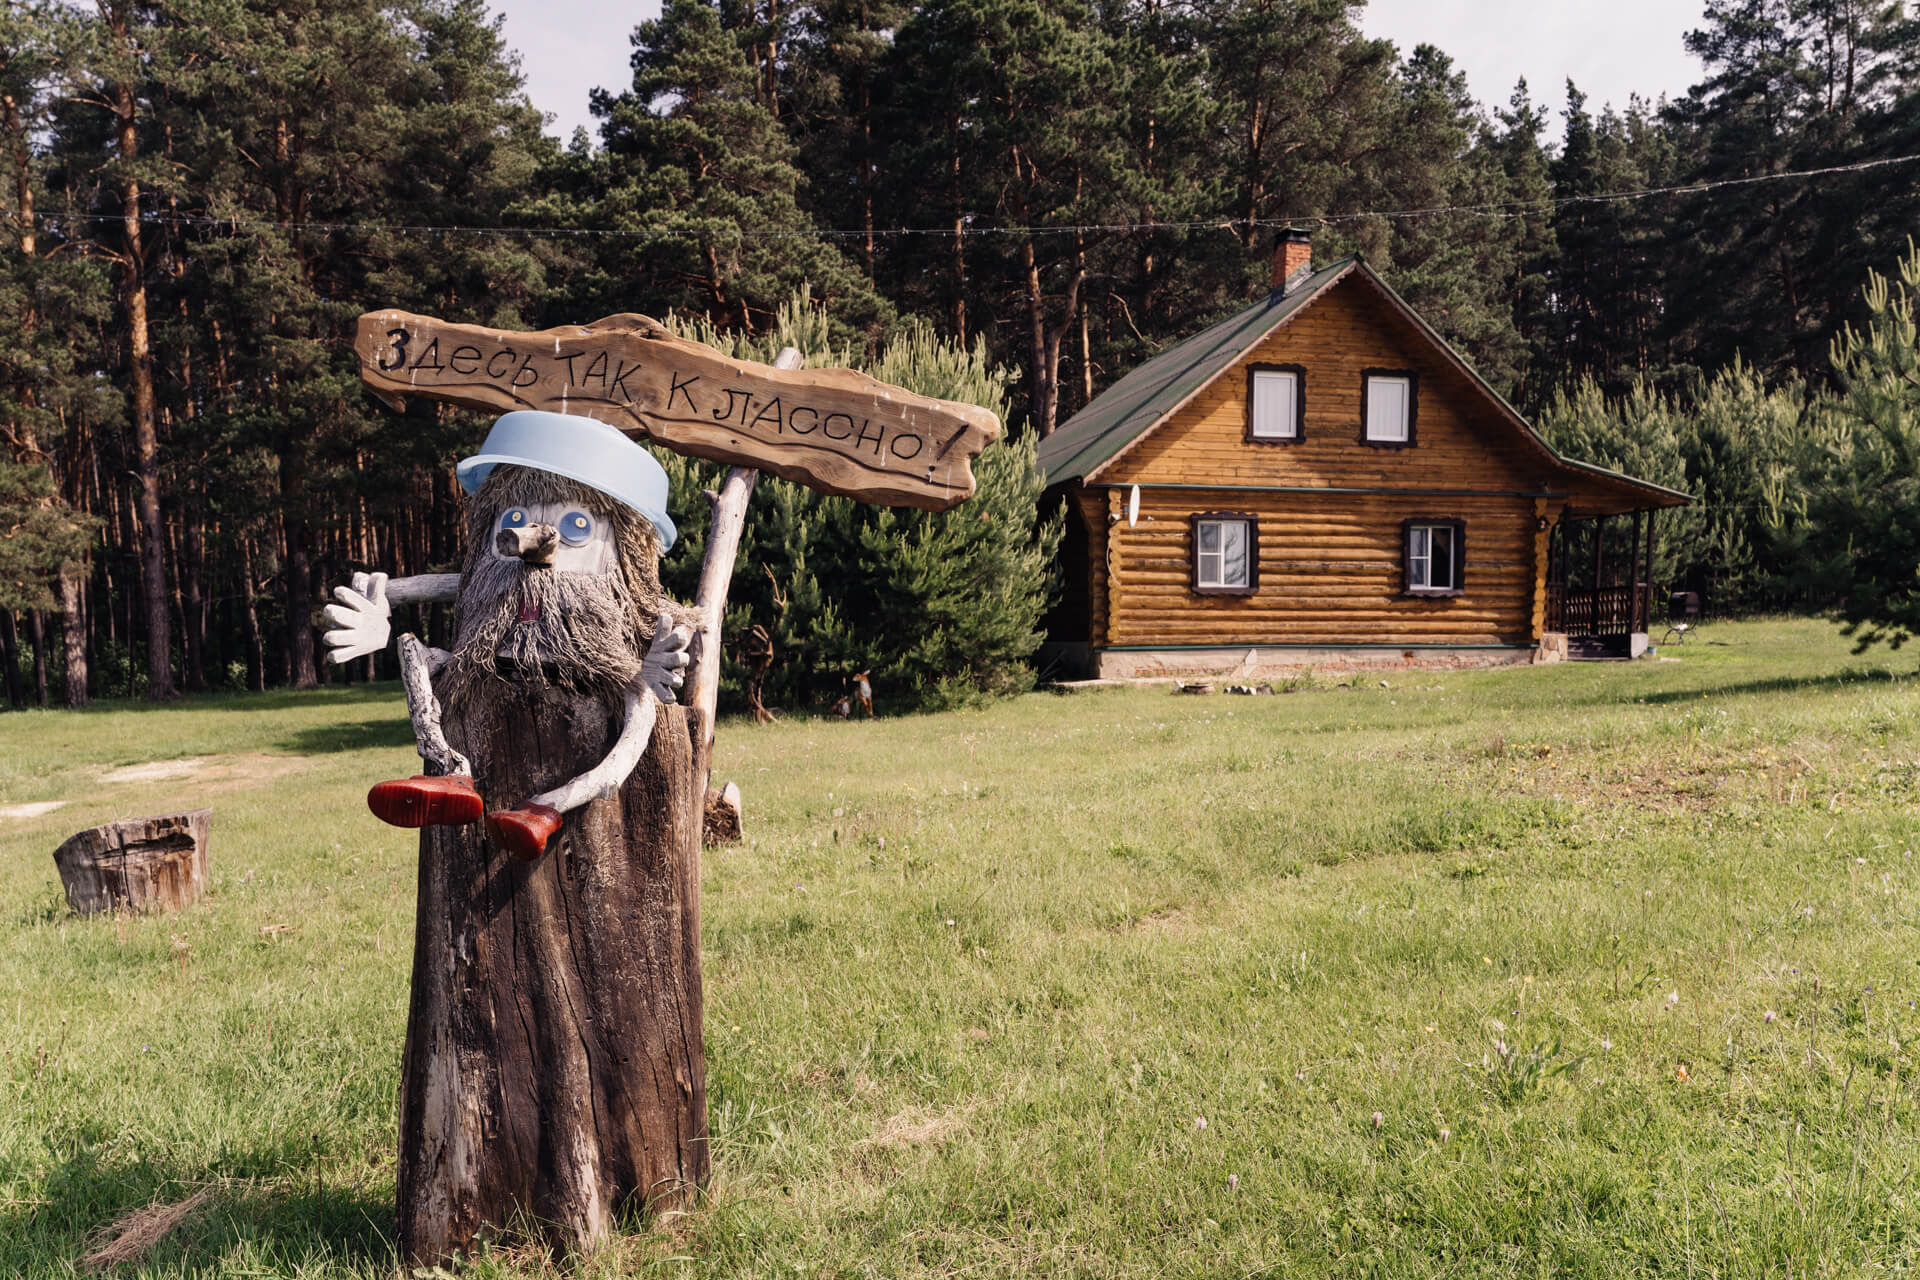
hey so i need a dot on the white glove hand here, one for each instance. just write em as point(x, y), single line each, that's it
point(665, 667)
point(360, 624)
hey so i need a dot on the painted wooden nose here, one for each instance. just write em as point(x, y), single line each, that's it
point(534, 544)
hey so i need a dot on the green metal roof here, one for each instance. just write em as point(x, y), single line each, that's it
point(1124, 411)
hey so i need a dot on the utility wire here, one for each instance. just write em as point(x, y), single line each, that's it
point(1496, 209)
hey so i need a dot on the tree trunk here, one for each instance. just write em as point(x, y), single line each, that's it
point(133, 284)
point(256, 648)
point(37, 621)
point(193, 606)
point(554, 1064)
point(10, 660)
point(73, 630)
point(301, 673)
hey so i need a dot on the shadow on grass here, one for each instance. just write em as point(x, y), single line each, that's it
point(1774, 684)
point(285, 1223)
point(273, 700)
point(388, 731)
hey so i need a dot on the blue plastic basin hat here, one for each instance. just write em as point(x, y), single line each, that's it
point(582, 449)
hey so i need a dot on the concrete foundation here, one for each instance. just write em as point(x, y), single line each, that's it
point(1241, 662)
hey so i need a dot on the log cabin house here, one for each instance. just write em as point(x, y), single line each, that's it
point(1321, 480)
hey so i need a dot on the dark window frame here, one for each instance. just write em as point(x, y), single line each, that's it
point(1299, 373)
point(1253, 552)
point(1413, 407)
point(1459, 528)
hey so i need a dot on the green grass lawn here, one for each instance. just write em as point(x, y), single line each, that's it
point(1589, 969)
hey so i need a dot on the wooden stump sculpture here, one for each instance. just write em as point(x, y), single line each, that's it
point(554, 1066)
point(137, 864)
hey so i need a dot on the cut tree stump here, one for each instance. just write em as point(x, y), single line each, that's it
point(137, 864)
point(554, 1066)
point(723, 815)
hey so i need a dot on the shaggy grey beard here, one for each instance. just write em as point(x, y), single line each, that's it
point(585, 637)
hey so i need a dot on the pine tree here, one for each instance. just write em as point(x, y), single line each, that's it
point(1858, 525)
point(697, 169)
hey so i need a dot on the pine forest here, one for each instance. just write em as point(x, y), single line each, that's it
point(1008, 201)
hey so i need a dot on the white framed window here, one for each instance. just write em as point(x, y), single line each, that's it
point(1435, 556)
point(1226, 553)
point(1387, 407)
point(1276, 402)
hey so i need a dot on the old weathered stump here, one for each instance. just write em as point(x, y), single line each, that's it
point(137, 864)
point(554, 1065)
point(723, 815)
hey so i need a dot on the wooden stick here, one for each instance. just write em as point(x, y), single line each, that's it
point(424, 588)
point(416, 673)
point(716, 574)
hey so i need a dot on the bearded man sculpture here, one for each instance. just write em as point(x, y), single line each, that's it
point(556, 959)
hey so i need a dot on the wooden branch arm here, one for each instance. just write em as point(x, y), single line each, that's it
point(716, 574)
point(416, 673)
point(636, 731)
point(424, 588)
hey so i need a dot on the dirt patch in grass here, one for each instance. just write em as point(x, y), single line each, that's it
point(1694, 780)
point(38, 808)
point(157, 770)
point(919, 1127)
point(200, 776)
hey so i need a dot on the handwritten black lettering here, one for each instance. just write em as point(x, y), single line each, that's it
point(769, 413)
point(525, 376)
point(826, 426)
point(504, 369)
point(599, 362)
point(870, 434)
point(570, 357)
point(949, 444)
point(471, 354)
point(746, 402)
point(431, 353)
point(679, 388)
point(896, 446)
point(622, 371)
point(793, 420)
point(399, 338)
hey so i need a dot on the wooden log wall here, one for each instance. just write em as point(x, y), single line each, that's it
point(1330, 573)
point(1330, 564)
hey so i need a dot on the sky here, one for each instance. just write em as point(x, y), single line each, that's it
point(1611, 48)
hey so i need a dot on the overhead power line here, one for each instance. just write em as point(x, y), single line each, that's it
point(968, 227)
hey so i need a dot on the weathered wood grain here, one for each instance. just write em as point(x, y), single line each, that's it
point(137, 864)
point(554, 1063)
point(833, 429)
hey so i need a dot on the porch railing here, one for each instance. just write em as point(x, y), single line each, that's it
point(1608, 611)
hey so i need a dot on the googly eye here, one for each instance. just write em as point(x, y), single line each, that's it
point(575, 528)
point(516, 518)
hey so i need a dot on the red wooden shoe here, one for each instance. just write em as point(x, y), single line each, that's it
point(524, 832)
point(426, 802)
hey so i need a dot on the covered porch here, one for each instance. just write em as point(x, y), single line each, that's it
point(1601, 580)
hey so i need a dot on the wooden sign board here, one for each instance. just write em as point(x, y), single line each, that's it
point(832, 429)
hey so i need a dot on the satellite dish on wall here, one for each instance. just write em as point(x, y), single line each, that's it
point(1133, 506)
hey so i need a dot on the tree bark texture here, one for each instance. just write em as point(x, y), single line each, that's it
point(133, 283)
point(554, 1062)
point(140, 864)
point(73, 632)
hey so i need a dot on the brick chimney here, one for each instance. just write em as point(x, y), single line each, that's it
point(1292, 258)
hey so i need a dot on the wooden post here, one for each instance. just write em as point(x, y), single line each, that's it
point(1633, 577)
point(1599, 558)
